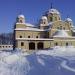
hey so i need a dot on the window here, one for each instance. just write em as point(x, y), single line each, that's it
point(55, 18)
point(22, 43)
point(70, 23)
point(36, 36)
point(20, 21)
point(20, 36)
point(56, 44)
point(66, 44)
point(57, 27)
point(51, 19)
point(40, 45)
point(64, 28)
point(31, 46)
point(44, 23)
point(28, 36)
point(60, 27)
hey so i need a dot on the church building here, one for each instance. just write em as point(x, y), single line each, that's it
point(51, 31)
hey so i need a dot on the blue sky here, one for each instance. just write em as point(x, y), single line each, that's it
point(33, 10)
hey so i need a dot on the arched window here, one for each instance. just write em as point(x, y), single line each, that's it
point(31, 46)
point(57, 27)
point(40, 45)
point(44, 23)
point(70, 23)
point(64, 28)
point(56, 44)
point(20, 36)
point(28, 36)
point(22, 43)
point(55, 18)
point(51, 18)
point(21, 21)
point(67, 44)
point(36, 36)
point(60, 27)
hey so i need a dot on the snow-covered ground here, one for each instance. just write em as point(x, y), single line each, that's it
point(58, 61)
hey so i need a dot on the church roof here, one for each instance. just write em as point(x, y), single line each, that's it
point(61, 33)
point(53, 11)
point(21, 16)
point(44, 17)
point(69, 19)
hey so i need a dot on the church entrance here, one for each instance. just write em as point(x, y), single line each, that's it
point(31, 46)
point(40, 45)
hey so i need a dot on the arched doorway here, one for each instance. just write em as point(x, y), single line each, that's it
point(67, 44)
point(40, 45)
point(31, 46)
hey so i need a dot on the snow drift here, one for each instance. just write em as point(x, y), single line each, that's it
point(49, 62)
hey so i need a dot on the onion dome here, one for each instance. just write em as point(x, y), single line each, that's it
point(53, 11)
point(44, 17)
point(21, 16)
point(69, 19)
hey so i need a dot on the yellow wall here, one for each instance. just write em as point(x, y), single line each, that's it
point(20, 25)
point(58, 25)
point(25, 34)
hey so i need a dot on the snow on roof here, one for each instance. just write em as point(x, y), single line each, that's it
point(61, 33)
point(53, 11)
point(50, 24)
point(30, 29)
point(73, 30)
point(34, 39)
point(20, 23)
point(44, 17)
point(69, 19)
point(29, 25)
point(21, 16)
point(73, 26)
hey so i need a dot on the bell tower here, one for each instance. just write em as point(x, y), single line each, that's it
point(43, 22)
point(21, 19)
point(53, 14)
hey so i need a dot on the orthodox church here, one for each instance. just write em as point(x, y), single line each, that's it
point(51, 31)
